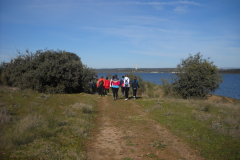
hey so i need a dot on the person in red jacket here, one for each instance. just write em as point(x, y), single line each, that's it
point(101, 85)
point(107, 85)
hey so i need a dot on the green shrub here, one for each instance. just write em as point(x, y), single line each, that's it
point(3, 79)
point(150, 93)
point(196, 77)
point(167, 87)
point(47, 71)
point(150, 86)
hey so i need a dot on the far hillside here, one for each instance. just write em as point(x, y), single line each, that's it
point(158, 70)
point(229, 71)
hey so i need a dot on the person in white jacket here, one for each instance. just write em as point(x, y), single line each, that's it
point(126, 86)
point(111, 83)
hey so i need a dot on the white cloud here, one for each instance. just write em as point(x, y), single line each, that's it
point(181, 9)
point(165, 3)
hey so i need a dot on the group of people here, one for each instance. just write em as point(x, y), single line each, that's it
point(103, 86)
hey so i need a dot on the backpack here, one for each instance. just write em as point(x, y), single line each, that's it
point(126, 82)
point(122, 82)
point(101, 83)
point(134, 85)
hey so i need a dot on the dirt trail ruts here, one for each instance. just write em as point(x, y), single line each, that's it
point(124, 132)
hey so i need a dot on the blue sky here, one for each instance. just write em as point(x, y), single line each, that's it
point(121, 33)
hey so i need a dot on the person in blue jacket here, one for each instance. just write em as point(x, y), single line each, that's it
point(122, 85)
point(135, 87)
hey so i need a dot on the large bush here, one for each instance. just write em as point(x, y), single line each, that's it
point(47, 71)
point(196, 77)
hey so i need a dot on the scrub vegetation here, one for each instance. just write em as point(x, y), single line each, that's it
point(35, 125)
point(47, 71)
point(196, 77)
point(210, 126)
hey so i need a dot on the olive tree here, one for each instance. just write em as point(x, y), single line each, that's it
point(47, 71)
point(196, 77)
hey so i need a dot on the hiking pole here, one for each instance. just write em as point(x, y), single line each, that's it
point(140, 93)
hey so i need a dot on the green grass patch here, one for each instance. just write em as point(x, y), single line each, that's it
point(150, 155)
point(35, 126)
point(127, 159)
point(159, 144)
point(129, 143)
point(212, 128)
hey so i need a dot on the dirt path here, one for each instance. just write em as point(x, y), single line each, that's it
point(124, 132)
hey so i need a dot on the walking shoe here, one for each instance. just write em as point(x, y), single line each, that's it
point(126, 99)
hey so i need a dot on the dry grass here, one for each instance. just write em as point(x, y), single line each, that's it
point(6, 89)
point(37, 126)
point(4, 117)
point(207, 124)
point(223, 116)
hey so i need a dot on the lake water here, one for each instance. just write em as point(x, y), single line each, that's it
point(229, 88)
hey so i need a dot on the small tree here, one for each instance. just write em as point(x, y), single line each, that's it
point(196, 77)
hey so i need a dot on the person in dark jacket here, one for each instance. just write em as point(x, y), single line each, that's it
point(101, 85)
point(135, 87)
point(122, 85)
point(94, 86)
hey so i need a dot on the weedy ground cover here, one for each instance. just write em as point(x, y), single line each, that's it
point(212, 127)
point(35, 125)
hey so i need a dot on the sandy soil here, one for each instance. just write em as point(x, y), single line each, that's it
point(124, 132)
point(215, 98)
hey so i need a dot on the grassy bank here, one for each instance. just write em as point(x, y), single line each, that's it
point(211, 127)
point(35, 125)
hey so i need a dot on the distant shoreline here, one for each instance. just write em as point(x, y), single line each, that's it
point(157, 70)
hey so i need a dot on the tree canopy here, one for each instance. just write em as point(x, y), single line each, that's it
point(47, 71)
point(196, 77)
